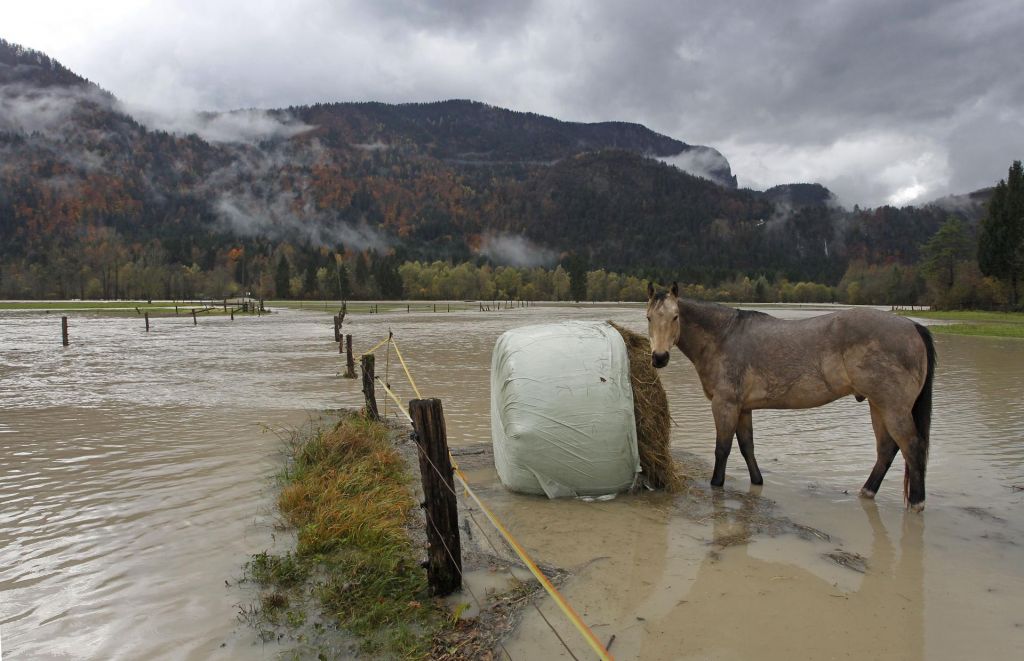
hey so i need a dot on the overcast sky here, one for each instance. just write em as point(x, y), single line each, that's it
point(881, 101)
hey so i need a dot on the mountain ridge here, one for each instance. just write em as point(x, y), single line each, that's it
point(79, 177)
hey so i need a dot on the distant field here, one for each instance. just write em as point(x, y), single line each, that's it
point(974, 322)
point(113, 308)
point(362, 307)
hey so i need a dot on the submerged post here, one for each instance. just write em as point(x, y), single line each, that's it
point(366, 365)
point(64, 330)
point(147, 322)
point(444, 555)
point(194, 322)
point(350, 365)
point(337, 328)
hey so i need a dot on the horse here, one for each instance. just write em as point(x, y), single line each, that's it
point(749, 360)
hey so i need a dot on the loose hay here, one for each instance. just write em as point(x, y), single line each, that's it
point(650, 407)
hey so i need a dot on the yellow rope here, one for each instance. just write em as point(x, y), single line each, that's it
point(556, 596)
point(387, 370)
point(375, 347)
point(398, 402)
point(406, 368)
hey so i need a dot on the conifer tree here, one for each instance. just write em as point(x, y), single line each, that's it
point(1001, 240)
point(282, 277)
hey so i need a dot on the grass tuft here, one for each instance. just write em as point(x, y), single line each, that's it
point(347, 493)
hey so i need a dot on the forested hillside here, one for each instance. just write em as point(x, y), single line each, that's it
point(95, 204)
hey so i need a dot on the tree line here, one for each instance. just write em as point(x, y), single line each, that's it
point(962, 264)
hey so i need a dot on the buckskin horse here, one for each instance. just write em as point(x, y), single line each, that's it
point(749, 360)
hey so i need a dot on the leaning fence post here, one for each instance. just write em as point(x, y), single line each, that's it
point(194, 322)
point(147, 322)
point(350, 365)
point(64, 330)
point(337, 328)
point(444, 555)
point(366, 365)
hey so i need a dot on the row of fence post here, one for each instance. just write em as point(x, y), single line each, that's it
point(440, 506)
point(65, 340)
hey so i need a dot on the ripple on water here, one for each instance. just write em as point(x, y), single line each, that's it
point(133, 466)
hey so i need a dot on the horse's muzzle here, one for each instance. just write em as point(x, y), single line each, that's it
point(659, 358)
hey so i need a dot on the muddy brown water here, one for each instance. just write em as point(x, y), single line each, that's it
point(135, 478)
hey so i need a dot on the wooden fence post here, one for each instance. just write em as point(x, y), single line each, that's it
point(350, 364)
point(337, 328)
point(64, 330)
point(232, 314)
point(366, 365)
point(147, 322)
point(444, 555)
point(194, 322)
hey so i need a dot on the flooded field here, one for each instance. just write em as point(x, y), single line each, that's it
point(135, 479)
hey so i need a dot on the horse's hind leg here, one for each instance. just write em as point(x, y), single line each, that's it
point(727, 415)
point(886, 449)
point(915, 455)
point(745, 436)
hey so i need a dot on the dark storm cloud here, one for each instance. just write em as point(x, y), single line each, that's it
point(900, 101)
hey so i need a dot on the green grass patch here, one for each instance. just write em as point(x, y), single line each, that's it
point(117, 308)
point(981, 323)
point(346, 491)
point(985, 330)
point(968, 315)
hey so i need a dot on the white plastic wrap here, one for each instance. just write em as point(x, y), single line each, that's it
point(562, 410)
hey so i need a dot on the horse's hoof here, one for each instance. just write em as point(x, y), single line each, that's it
point(916, 507)
point(757, 481)
point(717, 485)
point(867, 493)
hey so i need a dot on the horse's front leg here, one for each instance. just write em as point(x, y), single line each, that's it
point(745, 435)
point(727, 415)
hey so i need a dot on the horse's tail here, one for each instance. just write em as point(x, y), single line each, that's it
point(923, 406)
point(922, 410)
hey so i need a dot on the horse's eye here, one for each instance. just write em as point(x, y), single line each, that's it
point(675, 318)
point(648, 317)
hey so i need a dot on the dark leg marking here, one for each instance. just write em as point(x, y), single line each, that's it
point(886, 449)
point(745, 436)
point(726, 418)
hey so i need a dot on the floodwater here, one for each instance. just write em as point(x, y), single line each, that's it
point(135, 478)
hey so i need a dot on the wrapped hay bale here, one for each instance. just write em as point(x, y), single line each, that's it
point(563, 415)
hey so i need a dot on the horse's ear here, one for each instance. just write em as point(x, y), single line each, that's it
point(675, 289)
point(650, 290)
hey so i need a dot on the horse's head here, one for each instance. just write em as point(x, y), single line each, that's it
point(662, 322)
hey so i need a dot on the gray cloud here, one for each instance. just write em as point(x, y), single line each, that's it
point(46, 111)
point(249, 126)
point(282, 215)
point(880, 101)
point(256, 203)
point(705, 163)
point(515, 250)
